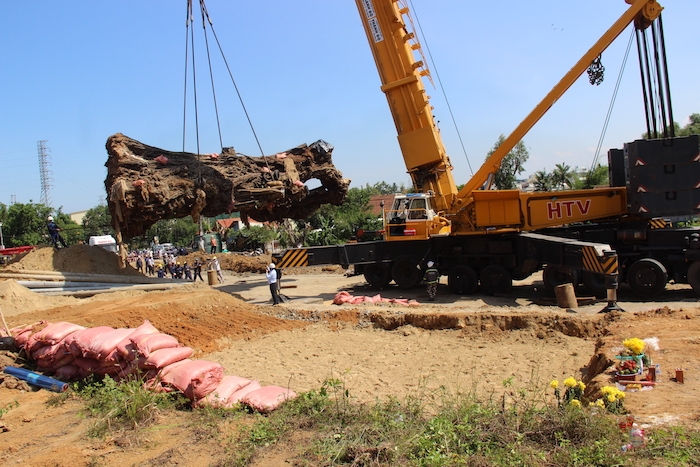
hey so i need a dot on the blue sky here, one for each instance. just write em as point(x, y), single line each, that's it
point(74, 73)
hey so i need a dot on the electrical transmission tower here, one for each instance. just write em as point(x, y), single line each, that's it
point(44, 172)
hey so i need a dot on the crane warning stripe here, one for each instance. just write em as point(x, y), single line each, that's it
point(657, 224)
point(600, 264)
point(294, 258)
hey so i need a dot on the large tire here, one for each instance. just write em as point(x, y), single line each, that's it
point(552, 276)
point(378, 275)
point(463, 280)
point(647, 277)
point(406, 273)
point(694, 276)
point(495, 279)
point(594, 283)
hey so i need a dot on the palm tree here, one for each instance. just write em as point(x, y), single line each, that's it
point(543, 181)
point(562, 176)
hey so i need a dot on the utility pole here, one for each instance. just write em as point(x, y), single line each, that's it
point(44, 172)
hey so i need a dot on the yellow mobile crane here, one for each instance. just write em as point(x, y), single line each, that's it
point(476, 235)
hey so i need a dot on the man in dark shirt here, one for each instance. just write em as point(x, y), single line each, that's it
point(54, 230)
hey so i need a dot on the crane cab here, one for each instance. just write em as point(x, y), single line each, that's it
point(412, 217)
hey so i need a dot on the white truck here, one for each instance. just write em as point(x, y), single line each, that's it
point(105, 241)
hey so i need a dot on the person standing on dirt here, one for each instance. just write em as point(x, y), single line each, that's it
point(54, 230)
point(187, 271)
point(150, 265)
point(217, 268)
point(431, 278)
point(198, 268)
point(271, 275)
point(201, 243)
point(212, 243)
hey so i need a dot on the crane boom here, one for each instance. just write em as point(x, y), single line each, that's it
point(642, 12)
point(393, 48)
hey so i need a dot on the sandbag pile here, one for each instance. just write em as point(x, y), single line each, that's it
point(70, 352)
point(345, 297)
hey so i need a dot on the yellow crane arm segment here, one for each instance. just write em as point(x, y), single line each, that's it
point(641, 12)
point(393, 47)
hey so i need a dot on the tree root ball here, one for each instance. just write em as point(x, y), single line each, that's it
point(146, 184)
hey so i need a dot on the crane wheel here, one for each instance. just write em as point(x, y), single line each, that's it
point(553, 276)
point(463, 280)
point(694, 276)
point(594, 283)
point(495, 279)
point(378, 274)
point(406, 273)
point(647, 277)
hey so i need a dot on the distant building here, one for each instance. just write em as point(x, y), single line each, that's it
point(235, 223)
point(77, 216)
point(376, 203)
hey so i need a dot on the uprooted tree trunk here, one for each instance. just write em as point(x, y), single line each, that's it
point(146, 184)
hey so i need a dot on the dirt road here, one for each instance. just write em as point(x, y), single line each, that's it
point(482, 344)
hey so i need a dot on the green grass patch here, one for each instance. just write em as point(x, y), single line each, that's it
point(117, 407)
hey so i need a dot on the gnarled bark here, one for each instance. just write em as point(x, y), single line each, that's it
point(145, 184)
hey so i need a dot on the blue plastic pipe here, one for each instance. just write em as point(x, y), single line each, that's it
point(36, 379)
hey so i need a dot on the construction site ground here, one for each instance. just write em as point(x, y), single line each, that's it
point(455, 344)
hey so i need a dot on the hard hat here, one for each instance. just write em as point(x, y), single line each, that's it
point(50, 218)
point(430, 264)
point(272, 265)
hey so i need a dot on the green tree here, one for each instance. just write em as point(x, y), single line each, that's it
point(562, 177)
point(325, 234)
point(250, 238)
point(353, 214)
point(179, 232)
point(383, 188)
point(26, 224)
point(593, 178)
point(692, 128)
point(98, 221)
point(511, 165)
point(543, 181)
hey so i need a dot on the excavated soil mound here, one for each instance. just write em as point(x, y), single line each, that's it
point(198, 317)
point(83, 259)
point(16, 299)
point(241, 264)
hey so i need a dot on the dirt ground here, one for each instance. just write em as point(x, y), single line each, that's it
point(455, 344)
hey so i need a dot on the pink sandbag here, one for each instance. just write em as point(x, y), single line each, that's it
point(195, 379)
point(23, 333)
point(268, 398)
point(238, 396)
point(126, 347)
point(104, 343)
point(87, 365)
point(220, 396)
point(341, 297)
point(65, 359)
point(46, 355)
point(164, 357)
point(147, 343)
point(156, 383)
point(79, 342)
point(54, 333)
